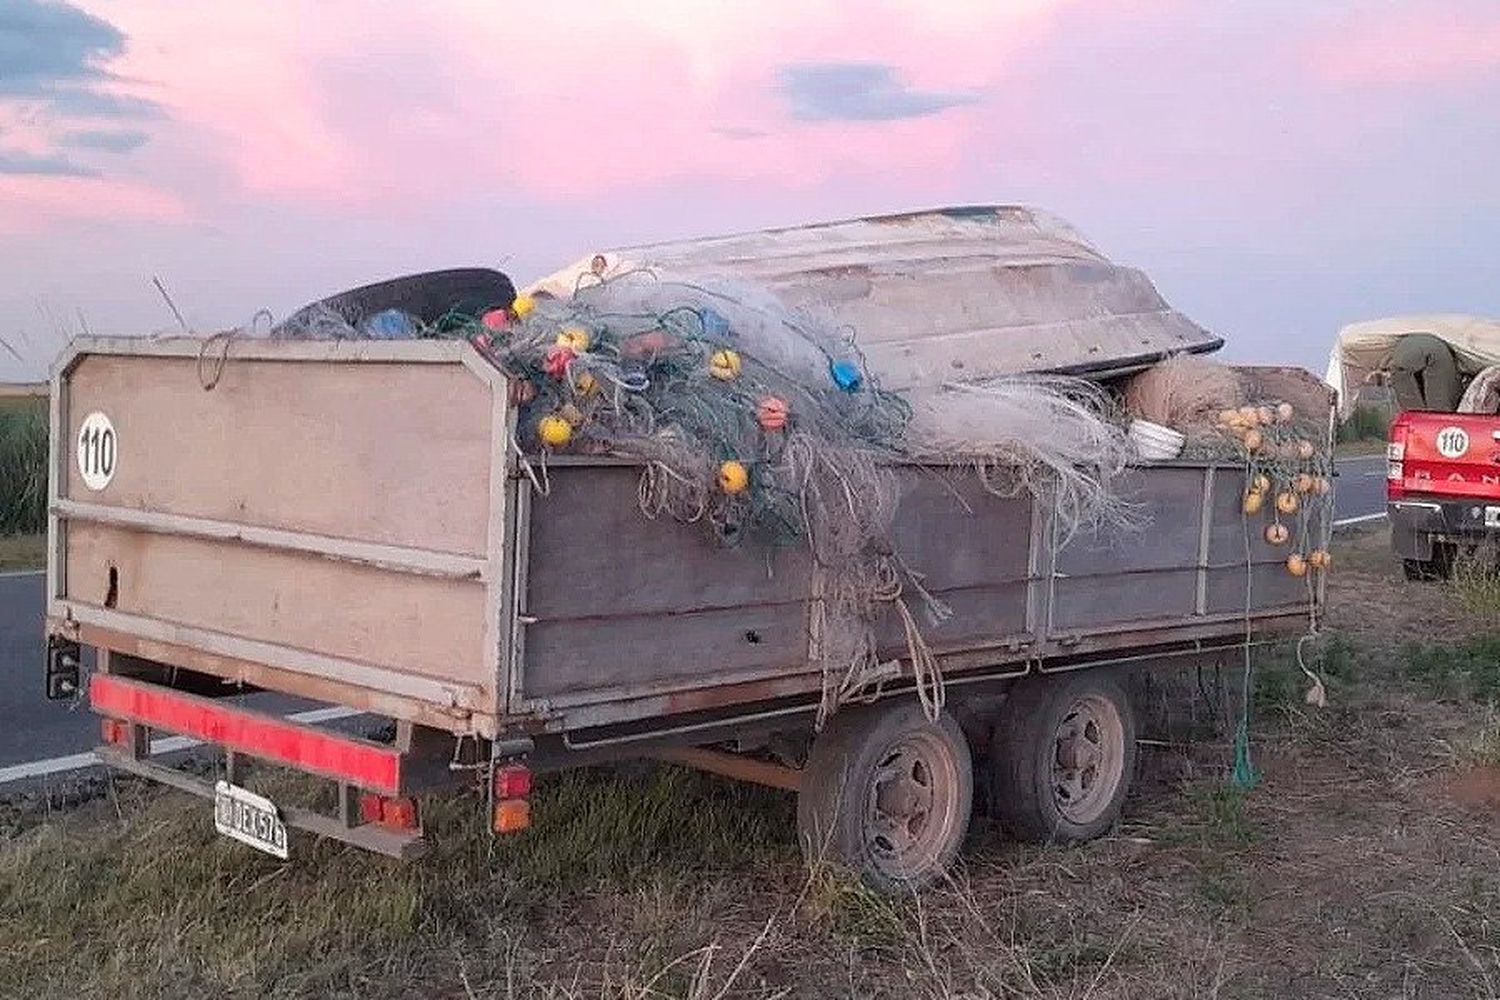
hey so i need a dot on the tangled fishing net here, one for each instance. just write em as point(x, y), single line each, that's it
point(766, 426)
point(1185, 392)
point(1040, 434)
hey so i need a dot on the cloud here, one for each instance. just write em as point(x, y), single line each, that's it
point(80, 102)
point(859, 92)
point(105, 140)
point(17, 163)
point(739, 132)
point(1398, 46)
point(42, 43)
point(55, 53)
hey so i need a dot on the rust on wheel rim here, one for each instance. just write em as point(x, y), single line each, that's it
point(911, 807)
point(1088, 759)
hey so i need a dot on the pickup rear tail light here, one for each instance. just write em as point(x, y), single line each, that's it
point(1395, 459)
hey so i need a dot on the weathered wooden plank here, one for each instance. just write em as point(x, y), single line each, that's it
point(1099, 601)
point(955, 533)
point(593, 554)
point(981, 616)
point(425, 625)
point(1169, 502)
point(1270, 585)
point(631, 651)
point(398, 455)
point(1231, 530)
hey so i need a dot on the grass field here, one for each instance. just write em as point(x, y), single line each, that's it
point(23, 552)
point(23, 466)
point(1363, 864)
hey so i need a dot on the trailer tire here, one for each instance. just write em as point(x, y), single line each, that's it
point(1062, 757)
point(887, 793)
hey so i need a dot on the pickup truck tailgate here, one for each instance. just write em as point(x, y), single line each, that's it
point(1454, 454)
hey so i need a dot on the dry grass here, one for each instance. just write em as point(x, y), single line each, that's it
point(1363, 865)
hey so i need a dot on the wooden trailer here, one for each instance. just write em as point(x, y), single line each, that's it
point(351, 522)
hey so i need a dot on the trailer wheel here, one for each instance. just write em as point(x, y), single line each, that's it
point(887, 793)
point(1063, 757)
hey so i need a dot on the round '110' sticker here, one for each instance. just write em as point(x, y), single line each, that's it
point(1452, 442)
point(98, 451)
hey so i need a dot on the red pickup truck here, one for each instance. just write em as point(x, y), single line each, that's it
point(1442, 487)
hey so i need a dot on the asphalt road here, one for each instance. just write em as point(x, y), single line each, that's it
point(33, 729)
point(41, 739)
point(1359, 488)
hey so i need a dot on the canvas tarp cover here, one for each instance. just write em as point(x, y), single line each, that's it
point(957, 294)
point(1364, 348)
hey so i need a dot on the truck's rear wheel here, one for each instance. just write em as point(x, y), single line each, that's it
point(1063, 757)
point(887, 793)
point(1439, 567)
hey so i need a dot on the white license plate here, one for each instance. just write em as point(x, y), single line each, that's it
point(1492, 517)
point(249, 818)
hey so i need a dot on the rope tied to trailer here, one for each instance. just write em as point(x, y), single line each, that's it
point(1243, 774)
point(224, 338)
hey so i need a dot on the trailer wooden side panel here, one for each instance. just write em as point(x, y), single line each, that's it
point(625, 615)
point(618, 600)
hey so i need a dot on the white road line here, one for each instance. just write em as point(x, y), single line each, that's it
point(169, 744)
point(18, 573)
point(1359, 520)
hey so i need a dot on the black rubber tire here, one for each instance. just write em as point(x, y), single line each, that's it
point(428, 296)
point(1439, 567)
point(839, 783)
point(1417, 570)
point(1025, 747)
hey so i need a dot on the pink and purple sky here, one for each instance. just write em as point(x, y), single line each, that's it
point(1278, 167)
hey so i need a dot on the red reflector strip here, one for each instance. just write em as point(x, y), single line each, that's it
point(356, 762)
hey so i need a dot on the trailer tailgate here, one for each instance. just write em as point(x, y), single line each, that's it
point(368, 570)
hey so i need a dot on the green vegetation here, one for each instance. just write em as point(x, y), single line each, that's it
point(1468, 670)
point(1280, 685)
point(23, 552)
point(23, 466)
point(1369, 422)
point(1476, 584)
